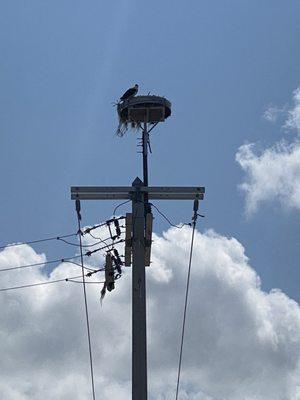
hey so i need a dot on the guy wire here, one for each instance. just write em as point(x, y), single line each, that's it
point(194, 219)
point(85, 298)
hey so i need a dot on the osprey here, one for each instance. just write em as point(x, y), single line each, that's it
point(130, 93)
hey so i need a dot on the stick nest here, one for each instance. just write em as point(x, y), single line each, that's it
point(125, 125)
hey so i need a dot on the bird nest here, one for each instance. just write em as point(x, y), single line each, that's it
point(138, 110)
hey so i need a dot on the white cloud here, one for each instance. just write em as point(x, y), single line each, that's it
point(272, 112)
point(273, 174)
point(293, 119)
point(241, 343)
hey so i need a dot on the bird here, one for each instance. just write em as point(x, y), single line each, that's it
point(130, 93)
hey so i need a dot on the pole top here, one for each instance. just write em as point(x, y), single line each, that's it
point(137, 110)
point(137, 182)
point(149, 109)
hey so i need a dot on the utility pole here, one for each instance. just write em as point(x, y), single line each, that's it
point(139, 336)
point(146, 109)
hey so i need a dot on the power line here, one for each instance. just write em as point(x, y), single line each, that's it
point(39, 264)
point(167, 219)
point(93, 270)
point(119, 205)
point(85, 298)
point(106, 223)
point(67, 259)
point(60, 238)
point(194, 219)
point(87, 230)
point(89, 253)
point(39, 284)
point(38, 241)
point(87, 283)
point(98, 238)
point(71, 279)
point(88, 245)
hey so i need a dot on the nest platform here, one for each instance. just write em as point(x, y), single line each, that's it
point(144, 109)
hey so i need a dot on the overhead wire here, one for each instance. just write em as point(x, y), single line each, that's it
point(194, 221)
point(71, 279)
point(38, 240)
point(77, 203)
point(98, 238)
point(59, 238)
point(40, 283)
point(38, 264)
point(168, 220)
point(87, 283)
point(66, 259)
point(90, 252)
point(106, 223)
point(87, 245)
point(119, 205)
point(79, 265)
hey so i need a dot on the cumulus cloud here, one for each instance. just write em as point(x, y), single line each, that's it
point(272, 113)
point(293, 119)
point(241, 342)
point(273, 174)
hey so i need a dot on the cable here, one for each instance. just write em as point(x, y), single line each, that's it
point(87, 245)
point(54, 238)
point(98, 238)
point(60, 237)
point(87, 283)
point(67, 259)
point(79, 265)
point(38, 241)
point(39, 264)
point(72, 280)
point(119, 205)
point(95, 271)
point(89, 253)
point(40, 283)
point(167, 219)
point(194, 219)
point(69, 243)
point(106, 223)
point(85, 297)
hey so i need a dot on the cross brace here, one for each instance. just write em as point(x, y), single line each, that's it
point(127, 192)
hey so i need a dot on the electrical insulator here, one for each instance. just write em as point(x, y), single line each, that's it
point(117, 226)
point(109, 273)
point(195, 209)
point(148, 238)
point(118, 261)
point(109, 228)
point(128, 240)
point(78, 208)
point(196, 204)
point(116, 253)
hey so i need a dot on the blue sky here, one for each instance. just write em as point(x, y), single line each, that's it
point(222, 64)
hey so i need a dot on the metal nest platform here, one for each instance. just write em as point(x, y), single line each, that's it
point(142, 109)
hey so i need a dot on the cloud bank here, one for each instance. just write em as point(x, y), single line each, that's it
point(241, 342)
point(273, 174)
